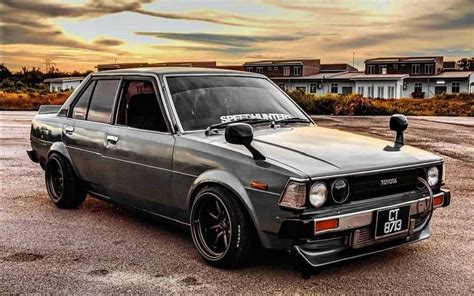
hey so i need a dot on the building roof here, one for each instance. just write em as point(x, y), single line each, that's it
point(379, 77)
point(345, 75)
point(318, 76)
point(450, 74)
point(337, 68)
point(281, 62)
point(63, 79)
point(176, 70)
point(388, 60)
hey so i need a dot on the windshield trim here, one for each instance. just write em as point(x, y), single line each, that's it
point(243, 74)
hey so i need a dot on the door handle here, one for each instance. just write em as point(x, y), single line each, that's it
point(112, 139)
point(69, 129)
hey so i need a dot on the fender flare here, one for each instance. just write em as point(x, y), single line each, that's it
point(230, 182)
point(60, 148)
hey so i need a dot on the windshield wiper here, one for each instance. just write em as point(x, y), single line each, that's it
point(292, 119)
point(246, 120)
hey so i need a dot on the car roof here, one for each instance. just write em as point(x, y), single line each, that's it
point(176, 70)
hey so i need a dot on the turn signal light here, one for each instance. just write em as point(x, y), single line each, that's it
point(259, 185)
point(437, 200)
point(326, 225)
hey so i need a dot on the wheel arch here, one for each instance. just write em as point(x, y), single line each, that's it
point(230, 182)
point(60, 148)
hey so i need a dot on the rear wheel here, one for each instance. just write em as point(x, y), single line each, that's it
point(61, 183)
point(221, 230)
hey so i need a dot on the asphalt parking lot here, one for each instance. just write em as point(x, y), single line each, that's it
point(101, 248)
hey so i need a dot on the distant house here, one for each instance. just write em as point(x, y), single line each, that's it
point(412, 77)
point(63, 83)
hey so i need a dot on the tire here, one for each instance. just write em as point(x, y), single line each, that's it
point(215, 210)
point(62, 185)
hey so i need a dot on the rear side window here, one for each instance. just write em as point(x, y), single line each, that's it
point(80, 109)
point(102, 100)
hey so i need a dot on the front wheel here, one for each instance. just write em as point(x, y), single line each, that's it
point(220, 228)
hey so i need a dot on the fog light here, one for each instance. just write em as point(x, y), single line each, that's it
point(326, 225)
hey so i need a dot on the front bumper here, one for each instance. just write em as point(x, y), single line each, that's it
point(354, 235)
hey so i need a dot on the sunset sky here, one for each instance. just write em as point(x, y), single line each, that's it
point(80, 34)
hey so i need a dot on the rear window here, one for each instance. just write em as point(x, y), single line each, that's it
point(102, 100)
point(80, 109)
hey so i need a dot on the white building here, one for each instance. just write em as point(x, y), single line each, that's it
point(63, 83)
point(386, 78)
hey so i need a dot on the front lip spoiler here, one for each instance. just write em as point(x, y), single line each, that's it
point(322, 258)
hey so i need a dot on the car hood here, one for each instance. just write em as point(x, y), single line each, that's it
point(317, 151)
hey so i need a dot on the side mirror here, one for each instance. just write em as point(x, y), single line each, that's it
point(399, 123)
point(239, 133)
point(242, 134)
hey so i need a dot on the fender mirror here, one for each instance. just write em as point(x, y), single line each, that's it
point(242, 134)
point(399, 123)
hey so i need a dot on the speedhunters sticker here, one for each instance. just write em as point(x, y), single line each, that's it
point(269, 116)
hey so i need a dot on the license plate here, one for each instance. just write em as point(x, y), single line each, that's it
point(392, 221)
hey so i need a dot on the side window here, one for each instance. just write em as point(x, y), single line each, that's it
point(139, 107)
point(102, 100)
point(80, 108)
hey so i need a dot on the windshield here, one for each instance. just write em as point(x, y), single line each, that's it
point(201, 101)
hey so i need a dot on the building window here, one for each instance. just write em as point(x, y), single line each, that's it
point(269, 68)
point(415, 69)
point(456, 87)
point(282, 86)
point(360, 90)
point(296, 71)
point(259, 70)
point(286, 71)
point(429, 69)
point(275, 68)
point(383, 69)
point(370, 91)
point(313, 88)
point(418, 87)
point(249, 69)
point(301, 88)
point(334, 88)
point(347, 90)
point(380, 91)
point(391, 92)
point(395, 66)
point(371, 69)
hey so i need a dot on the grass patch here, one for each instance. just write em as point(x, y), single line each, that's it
point(30, 100)
point(335, 104)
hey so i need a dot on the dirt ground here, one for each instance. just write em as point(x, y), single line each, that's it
point(101, 248)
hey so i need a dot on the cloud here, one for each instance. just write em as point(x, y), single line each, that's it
point(108, 41)
point(96, 8)
point(230, 51)
point(459, 16)
point(313, 8)
point(221, 39)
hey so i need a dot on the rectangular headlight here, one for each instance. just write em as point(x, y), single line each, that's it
point(294, 196)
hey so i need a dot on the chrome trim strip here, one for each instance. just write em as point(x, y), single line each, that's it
point(418, 165)
point(364, 218)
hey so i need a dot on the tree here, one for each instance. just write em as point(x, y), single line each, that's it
point(4, 72)
point(466, 64)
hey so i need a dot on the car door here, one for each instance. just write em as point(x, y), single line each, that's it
point(85, 131)
point(139, 148)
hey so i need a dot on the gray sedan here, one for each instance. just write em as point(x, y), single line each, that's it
point(231, 156)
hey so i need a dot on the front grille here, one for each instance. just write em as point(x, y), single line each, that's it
point(370, 186)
